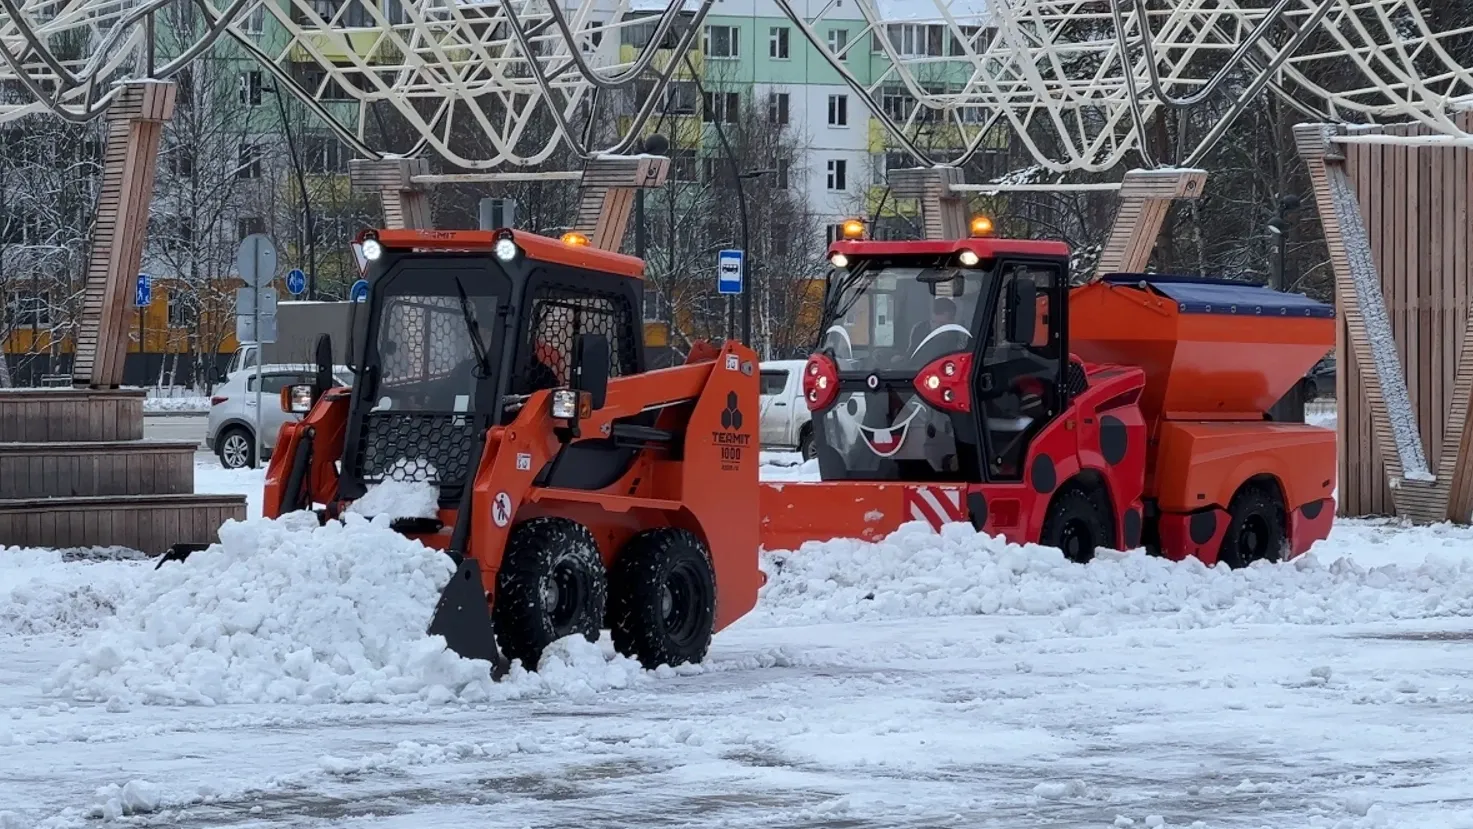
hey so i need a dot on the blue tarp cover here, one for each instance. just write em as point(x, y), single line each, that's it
point(1203, 295)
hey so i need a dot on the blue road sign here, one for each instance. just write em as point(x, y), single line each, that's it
point(296, 282)
point(359, 293)
point(143, 292)
point(729, 272)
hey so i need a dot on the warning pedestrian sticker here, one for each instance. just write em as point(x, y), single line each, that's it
point(501, 509)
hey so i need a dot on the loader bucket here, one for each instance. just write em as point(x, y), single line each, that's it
point(463, 617)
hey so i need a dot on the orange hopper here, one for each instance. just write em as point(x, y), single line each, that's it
point(1211, 349)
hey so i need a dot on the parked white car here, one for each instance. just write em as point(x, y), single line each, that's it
point(231, 432)
point(785, 421)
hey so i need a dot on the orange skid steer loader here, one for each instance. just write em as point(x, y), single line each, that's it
point(577, 490)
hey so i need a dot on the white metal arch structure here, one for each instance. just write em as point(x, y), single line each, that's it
point(1088, 75)
point(440, 65)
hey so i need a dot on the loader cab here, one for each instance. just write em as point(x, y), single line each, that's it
point(458, 329)
point(938, 360)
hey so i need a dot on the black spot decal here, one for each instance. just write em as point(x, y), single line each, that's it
point(1114, 439)
point(1312, 509)
point(1044, 475)
point(731, 416)
point(1132, 528)
point(977, 506)
point(1203, 526)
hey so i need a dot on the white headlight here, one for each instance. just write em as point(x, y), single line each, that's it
point(505, 250)
point(565, 404)
point(839, 260)
point(372, 250)
point(969, 258)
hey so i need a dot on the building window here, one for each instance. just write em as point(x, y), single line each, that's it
point(838, 42)
point(680, 98)
point(777, 42)
point(250, 162)
point(181, 309)
point(254, 22)
point(782, 173)
point(249, 225)
point(322, 85)
point(181, 161)
point(683, 165)
point(656, 307)
point(325, 154)
point(29, 308)
point(722, 42)
point(777, 108)
point(915, 40)
point(833, 233)
point(838, 110)
point(896, 103)
point(838, 174)
point(251, 87)
point(716, 171)
point(723, 107)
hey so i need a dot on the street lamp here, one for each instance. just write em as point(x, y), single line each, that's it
point(1279, 227)
point(301, 177)
point(746, 253)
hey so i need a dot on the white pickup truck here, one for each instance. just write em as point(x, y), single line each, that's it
point(785, 422)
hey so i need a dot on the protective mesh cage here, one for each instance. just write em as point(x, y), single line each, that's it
point(559, 315)
point(427, 361)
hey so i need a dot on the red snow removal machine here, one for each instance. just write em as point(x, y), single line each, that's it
point(577, 489)
point(964, 381)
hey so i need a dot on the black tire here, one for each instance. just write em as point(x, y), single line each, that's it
point(805, 443)
point(551, 584)
point(1255, 528)
point(236, 448)
point(1076, 525)
point(663, 607)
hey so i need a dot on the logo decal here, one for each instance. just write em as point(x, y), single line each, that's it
point(501, 509)
point(524, 461)
point(731, 416)
point(730, 441)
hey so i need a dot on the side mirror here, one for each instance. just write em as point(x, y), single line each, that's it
point(1022, 311)
point(591, 367)
point(324, 379)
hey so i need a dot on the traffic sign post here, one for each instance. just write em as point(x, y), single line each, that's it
point(255, 310)
point(142, 298)
point(729, 272)
point(296, 282)
point(359, 291)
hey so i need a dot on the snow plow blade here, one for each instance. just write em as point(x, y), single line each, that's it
point(463, 617)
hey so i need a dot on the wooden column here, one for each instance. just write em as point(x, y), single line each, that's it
point(1145, 196)
point(943, 210)
point(406, 204)
point(134, 123)
point(609, 184)
point(1396, 225)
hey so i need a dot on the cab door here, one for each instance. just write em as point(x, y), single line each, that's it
point(1017, 380)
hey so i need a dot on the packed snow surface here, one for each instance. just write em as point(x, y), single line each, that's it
point(399, 499)
point(278, 611)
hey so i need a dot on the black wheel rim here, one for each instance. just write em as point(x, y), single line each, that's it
point(1078, 541)
point(563, 594)
point(1254, 539)
point(680, 603)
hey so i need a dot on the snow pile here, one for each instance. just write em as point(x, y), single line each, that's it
point(916, 573)
point(41, 592)
point(176, 404)
point(399, 499)
point(282, 611)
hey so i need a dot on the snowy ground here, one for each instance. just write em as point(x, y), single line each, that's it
point(925, 681)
